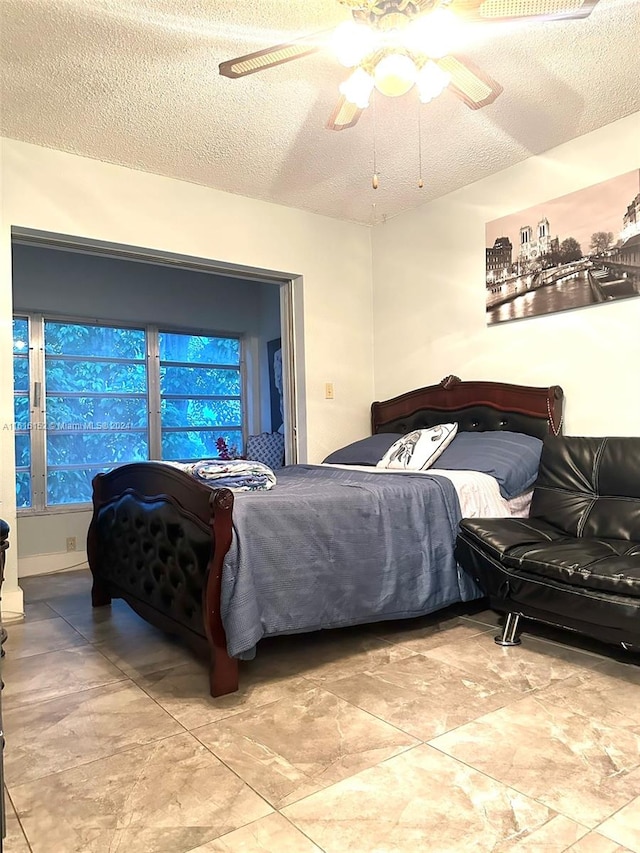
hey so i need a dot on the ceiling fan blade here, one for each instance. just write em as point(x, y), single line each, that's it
point(469, 83)
point(270, 56)
point(508, 10)
point(344, 115)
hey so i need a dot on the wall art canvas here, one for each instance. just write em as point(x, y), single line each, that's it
point(569, 252)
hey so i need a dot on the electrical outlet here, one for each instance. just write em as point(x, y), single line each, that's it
point(71, 543)
point(328, 390)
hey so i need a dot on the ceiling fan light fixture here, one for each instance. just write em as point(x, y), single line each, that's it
point(357, 88)
point(352, 42)
point(395, 74)
point(431, 81)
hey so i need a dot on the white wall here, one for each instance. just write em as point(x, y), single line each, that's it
point(429, 294)
point(53, 191)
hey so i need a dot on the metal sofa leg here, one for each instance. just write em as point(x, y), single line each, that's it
point(509, 636)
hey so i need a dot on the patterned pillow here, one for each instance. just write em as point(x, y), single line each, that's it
point(419, 449)
point(268, 448)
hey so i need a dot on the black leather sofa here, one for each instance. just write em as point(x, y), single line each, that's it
point(575, 562)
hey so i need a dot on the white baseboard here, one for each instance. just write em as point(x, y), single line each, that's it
point(12, 604)
point(43, 564)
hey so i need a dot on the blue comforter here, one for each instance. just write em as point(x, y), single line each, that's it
point(329, 547)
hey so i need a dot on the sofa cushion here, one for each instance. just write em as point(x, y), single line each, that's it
point(266, 447)
point(534, 547)
point(498, 536)
point(590, 486)
point(598, 564)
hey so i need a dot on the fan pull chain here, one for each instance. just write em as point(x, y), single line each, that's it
point(375, 178)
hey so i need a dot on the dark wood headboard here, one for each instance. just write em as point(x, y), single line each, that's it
point(475, 406)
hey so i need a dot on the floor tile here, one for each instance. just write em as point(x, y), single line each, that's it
point(271, 834)
point(610, 694)
point(300, 744)
point(47, 635)
point(165, 797)
point(557, 834)
point(37, 611)
point(420, 800)
point(490, 618)
point(143, 650)
point(183, 691)
point(596, 843)
point(624, 826)
point(530, 666)
point(422, 696)
point(62, 733)
point(99, 623)
point(430, 633)
point(77, 610)
point(577, 766)
point(15, 841)
point(41, 587)
point(323, 655)
point(46, 676)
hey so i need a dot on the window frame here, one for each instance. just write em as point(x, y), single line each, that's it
point(37, 408)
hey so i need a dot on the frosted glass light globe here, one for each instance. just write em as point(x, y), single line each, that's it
point(431, 81)
point(395, 74)
point(357, 88)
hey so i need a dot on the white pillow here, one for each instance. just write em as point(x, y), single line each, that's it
point(419, 449)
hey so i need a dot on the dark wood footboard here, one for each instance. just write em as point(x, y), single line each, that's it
point(223, 674)
point(158, 539)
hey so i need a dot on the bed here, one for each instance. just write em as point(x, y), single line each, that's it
point(330, 545)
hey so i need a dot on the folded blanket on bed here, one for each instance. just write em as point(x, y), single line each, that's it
point(239, 475)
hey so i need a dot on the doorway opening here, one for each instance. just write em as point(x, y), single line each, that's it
point(177, 352)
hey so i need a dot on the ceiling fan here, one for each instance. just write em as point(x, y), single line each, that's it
point(394, 45)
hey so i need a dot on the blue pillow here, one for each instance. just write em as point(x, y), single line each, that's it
point(511, 457)
point(367, 451)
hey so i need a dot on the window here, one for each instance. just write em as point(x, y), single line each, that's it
point(103, 395)
point(21, 411)
point(200, 386)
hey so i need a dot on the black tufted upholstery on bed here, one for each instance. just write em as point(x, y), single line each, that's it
point(156, 556)
point(471, 419)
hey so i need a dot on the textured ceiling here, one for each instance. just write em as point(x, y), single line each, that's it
point(136, 82)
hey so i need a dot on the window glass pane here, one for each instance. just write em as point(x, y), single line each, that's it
point(20, 336)
point(93, 447)
point(20, 374)
point(199, 380)
point(198, 349)
point(186, 412)
point(21, 411)
point(187, 444)
point(23, 450)
point(101, 377)
point(23, 489)
point(66, 486)
point(94, 412)
point(78, 339)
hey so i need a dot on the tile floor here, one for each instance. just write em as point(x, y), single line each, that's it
point(414, 736)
